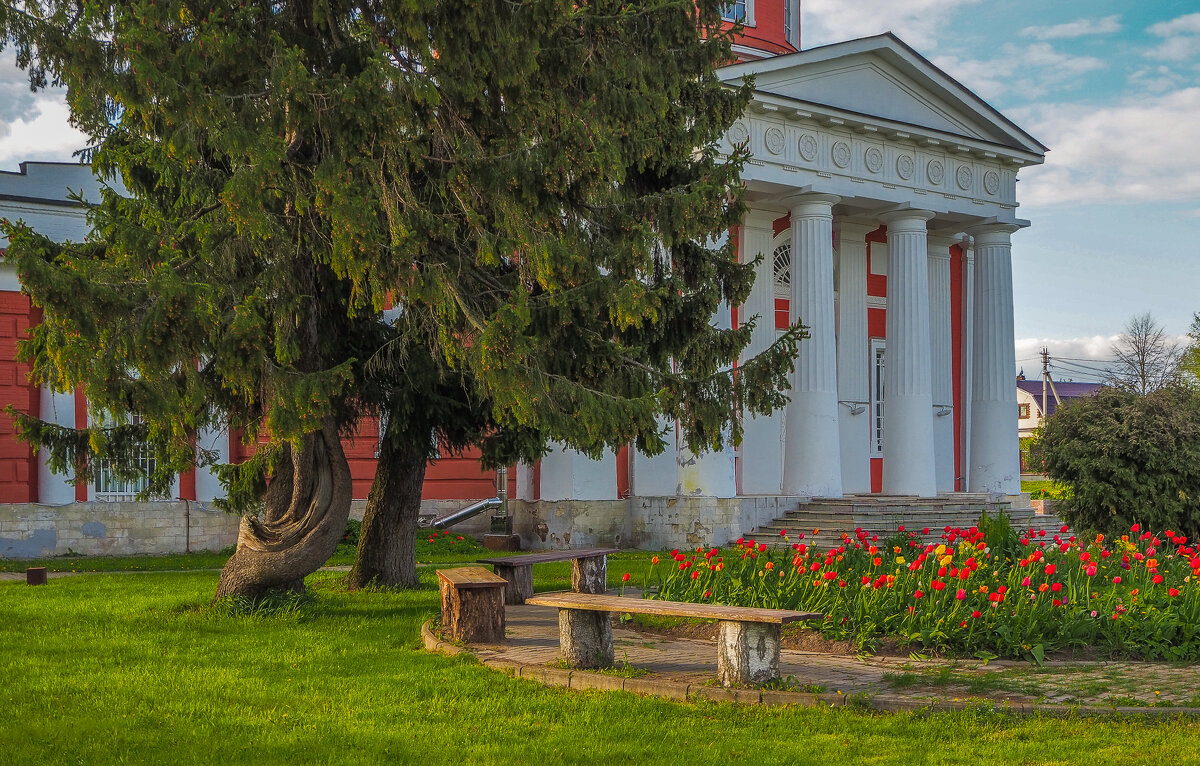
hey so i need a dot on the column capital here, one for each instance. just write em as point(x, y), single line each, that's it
point(939, 244)
point(854, 228)
point(809, 204)
point(993, 233)
point(758, 218)
point(906, 219)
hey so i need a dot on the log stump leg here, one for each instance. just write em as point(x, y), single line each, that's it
point(473, 615)
point(747, 653)
point(590, 575)
point(519, 582)
point(585, 638)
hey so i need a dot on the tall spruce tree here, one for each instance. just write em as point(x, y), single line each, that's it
point(535, 185)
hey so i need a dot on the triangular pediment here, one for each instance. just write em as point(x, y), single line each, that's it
point(883, 78)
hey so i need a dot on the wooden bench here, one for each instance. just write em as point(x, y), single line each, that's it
point(589, 571)
point(472, 605)
point(747, 639)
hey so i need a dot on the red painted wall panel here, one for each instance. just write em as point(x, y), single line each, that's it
point(956, 356)
point(18, 463)
point(767, 34)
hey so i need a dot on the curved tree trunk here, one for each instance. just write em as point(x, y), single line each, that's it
point(387, 542)
point(307, 508)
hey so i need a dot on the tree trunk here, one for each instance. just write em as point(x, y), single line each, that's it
point(387, 541)
point(307, 508)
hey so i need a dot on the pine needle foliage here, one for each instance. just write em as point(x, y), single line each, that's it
point(536, 187)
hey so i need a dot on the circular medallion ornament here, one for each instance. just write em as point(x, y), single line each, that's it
point(808, 147)
point(774, 140)
point(873, 159)
point(738, 134)
point(963, 176)
point(841, 154)
point(936, 171)
point(904, 166)
point(991, 182)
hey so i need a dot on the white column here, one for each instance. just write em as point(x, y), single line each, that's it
point(570, 475)
point(853, 362)
point(208, 486)
point(762, 436)
point(968, 325)
point(711, 473)
point(941, 354)
point(55, 488)
point(995, 464)
point(811, 436)
point(908, 463)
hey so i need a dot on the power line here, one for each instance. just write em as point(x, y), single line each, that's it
point(1081, 365)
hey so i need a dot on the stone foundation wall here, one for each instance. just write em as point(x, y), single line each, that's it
point(32, 530)
point(650, 523)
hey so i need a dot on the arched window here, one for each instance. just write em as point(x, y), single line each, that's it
point(783, 270)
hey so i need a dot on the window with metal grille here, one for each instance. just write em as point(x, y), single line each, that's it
point(111, 489)
point(878, 359)
point(783, 270)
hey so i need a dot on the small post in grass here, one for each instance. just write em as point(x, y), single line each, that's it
point(35, 576)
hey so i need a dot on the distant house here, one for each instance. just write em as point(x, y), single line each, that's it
point(1029, 401)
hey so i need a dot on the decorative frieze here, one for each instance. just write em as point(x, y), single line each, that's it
point(898, 160)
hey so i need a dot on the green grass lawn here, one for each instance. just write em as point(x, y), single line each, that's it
point(441, 552)
point(136, 669)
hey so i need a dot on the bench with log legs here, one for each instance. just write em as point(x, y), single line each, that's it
point(589, 571)
point(747, 638)
point(472, 605)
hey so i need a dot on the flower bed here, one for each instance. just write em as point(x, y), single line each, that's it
point(986, 590)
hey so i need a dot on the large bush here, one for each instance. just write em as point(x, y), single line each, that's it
point(1126, 458)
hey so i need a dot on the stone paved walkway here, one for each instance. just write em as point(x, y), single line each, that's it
point(887, 682)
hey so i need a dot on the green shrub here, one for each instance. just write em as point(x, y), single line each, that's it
point(353, 530)
point(1126, 458)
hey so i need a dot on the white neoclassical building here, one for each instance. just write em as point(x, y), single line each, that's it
point(883, 194)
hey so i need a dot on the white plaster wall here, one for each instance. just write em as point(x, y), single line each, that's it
point(570, 475)
point(208, 486)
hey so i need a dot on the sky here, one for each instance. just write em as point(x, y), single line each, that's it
point(1112, 87)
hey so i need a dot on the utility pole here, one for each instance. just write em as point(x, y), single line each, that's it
point(1045, 376)
point(1047, 381)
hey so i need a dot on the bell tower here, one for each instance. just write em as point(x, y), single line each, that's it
point(769, 27)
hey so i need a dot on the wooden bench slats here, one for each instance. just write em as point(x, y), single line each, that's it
point(547, 556)
point(598, 603)
point(470, 577)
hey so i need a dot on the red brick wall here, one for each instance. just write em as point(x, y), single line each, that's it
point(18, 464)
point(450, 477)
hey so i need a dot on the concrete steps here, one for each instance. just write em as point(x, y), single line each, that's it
point(883, 516)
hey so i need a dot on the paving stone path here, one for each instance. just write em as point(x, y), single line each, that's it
point(532, 633)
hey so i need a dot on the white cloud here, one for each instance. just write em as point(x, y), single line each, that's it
point(918, 22)
point(1189, 25)
point(45, 135)
point(1030, 70)
point(1157, 79)
point(1140, 150)
point(1095, 347)
point(1180, 38)
point(1081, 28)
